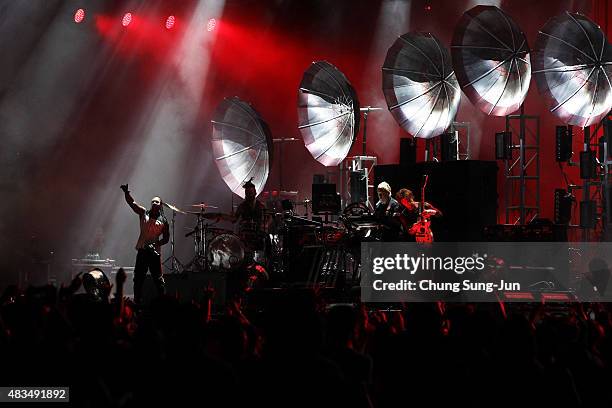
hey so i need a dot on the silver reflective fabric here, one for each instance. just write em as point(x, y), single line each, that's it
point(572, 67)
point(491, 60)
point(419, 84)
point(242, 145)
point(328, 113)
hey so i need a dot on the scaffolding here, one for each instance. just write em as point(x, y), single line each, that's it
point(597, 189)
point(463, 139)
point(522, 173)
point(364, 165)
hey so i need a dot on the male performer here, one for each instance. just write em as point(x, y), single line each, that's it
point(386, 205)
point(153, 224)
point(386, 211)
point(250, 213)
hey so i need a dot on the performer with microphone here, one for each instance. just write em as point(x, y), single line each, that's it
point(153, 224)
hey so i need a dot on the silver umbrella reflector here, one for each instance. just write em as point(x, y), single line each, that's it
point(420, 85)
point(573, 68)
point(491, 60)
point(242, 145)
point(328, 112)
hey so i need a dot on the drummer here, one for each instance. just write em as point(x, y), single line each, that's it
point(250, 213)
point(251, 219)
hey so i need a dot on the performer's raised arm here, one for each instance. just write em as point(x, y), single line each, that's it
point(137, 208)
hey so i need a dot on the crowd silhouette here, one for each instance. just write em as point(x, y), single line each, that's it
point(295, 349)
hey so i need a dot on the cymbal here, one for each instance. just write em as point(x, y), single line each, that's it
point(195, 212)
point(218, 216)
point(204, 205)
point(174, 208)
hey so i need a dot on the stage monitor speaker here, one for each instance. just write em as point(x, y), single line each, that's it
point(588, 165)
point(449, 146)
point(325, 199)
point(563, 206)
point(503, 146)
point(563, 138)
point(408, 150)
point(358, 186)
point(588, 214)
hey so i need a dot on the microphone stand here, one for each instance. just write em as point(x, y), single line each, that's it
point(175, 264)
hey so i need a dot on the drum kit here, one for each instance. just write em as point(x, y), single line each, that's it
point(274, 243)
point(219, 249)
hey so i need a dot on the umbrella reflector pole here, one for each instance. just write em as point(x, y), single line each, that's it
point(365, 110)
point(463, 138)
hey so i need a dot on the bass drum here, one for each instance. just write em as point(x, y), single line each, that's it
point(225, 253)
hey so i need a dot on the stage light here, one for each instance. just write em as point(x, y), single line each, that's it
point(79, 16)
point(126, 20)
point(170, 22)
point(212, 23)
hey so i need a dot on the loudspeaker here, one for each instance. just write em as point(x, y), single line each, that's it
point(325, 199)
point(600, 143)
point(358, 186)
point(503, 146)
point(588, 214)
point(563, 138)
point(408, 148)
point(588, 165)
point(563, 206)
point(607, 125)
point(318, 179)
point(449, 147)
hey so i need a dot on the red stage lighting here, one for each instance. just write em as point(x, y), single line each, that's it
point(126, 20)
point(79, 16)
point(170, 22)
point(212, 23)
